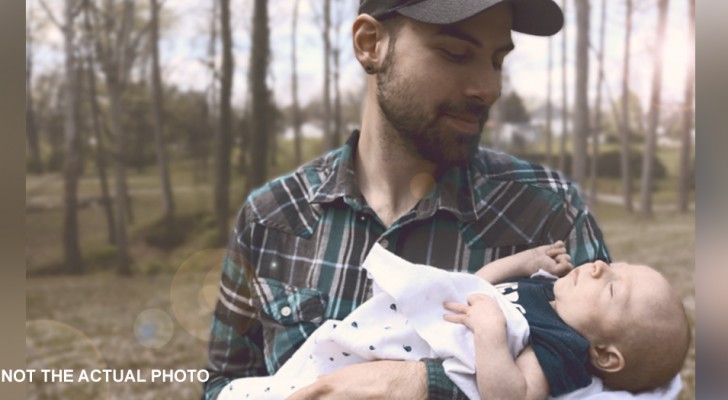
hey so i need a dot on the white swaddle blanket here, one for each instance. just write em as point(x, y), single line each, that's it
point(403, 321)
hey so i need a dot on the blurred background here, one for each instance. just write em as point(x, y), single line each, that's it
point(149, 121)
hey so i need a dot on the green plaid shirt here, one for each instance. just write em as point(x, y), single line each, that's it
point(294, 259)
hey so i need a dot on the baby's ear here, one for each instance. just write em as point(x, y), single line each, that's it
point(606, 358)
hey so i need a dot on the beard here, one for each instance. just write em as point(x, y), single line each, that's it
point(415, 122)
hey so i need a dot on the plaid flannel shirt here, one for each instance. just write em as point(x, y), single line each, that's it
point(294, 259)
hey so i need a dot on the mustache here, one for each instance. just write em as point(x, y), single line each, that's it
point(473, 108)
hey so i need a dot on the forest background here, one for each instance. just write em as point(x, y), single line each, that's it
point(148, 122)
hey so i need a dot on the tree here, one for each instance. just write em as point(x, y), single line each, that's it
point(97, 127)
point(35, 165)
point(201, 148)
point(581, 98)
point(223, 139)
point(654, 116)
point(565, 97)
point(625, 126)
point(297, 121)
point(116, 50)
point(260, 96)
point(326, 35)
point(336, 58)
point(597, 129)
point(159, 119)
point(687, 119)
point(72, 258)
point(73, 261)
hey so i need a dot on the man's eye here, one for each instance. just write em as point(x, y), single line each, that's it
point(455, 55)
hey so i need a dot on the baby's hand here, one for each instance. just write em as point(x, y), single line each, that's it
point(551, 258)
point(481, 312)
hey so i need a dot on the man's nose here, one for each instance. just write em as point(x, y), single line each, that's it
point(484, 85)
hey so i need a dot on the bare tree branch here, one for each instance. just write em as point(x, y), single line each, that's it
point(51, 16)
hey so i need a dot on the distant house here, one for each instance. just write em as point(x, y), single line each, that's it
point(538, 118)
point(517, 136)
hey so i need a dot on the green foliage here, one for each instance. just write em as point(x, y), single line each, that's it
point(188, 121)
point(151, 267)
point(102, 255)
point(167, 236)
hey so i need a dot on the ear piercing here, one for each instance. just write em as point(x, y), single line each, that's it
point(369, 69)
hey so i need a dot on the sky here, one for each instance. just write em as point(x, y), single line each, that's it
point(185, 42)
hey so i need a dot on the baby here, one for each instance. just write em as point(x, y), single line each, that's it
point(623, 322)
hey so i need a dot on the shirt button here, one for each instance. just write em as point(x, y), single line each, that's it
point(384, 243)
point(286, 311)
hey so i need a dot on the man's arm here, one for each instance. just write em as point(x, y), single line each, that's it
point(551, 258)
point(236, 338)
point(371, 380)
point(498, 375)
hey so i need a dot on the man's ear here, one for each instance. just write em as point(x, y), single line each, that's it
point(368, 35)
point(606, 358)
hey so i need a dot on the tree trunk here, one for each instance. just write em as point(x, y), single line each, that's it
point(158, 100)
point(259, 94)
point(564, 98)
point(211, 107)
point(116, 52)
point(581, 94)
point(36, 165)
point(654, 118)
point(100, 154)
point(224, 134)
point(686, 148)
point(73, 261)
point(325, 32)
point(549, 106)
point(296, 108)
point(121, 200)
point(626, 170)
point(596, 131)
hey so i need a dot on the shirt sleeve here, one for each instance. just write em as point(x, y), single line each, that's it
point(439, 386)
point(236, 338)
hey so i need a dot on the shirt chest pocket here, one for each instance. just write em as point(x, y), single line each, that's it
point(285, 305)
point(288, 315)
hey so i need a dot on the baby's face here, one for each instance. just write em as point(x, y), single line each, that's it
point(600, 301)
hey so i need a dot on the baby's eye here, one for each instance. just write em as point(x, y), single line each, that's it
point(611, 289)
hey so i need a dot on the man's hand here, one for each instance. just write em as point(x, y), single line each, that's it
point(371, 380)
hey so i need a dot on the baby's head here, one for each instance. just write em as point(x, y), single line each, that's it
point(634, 321)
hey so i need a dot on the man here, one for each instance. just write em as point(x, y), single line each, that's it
point(413, 179)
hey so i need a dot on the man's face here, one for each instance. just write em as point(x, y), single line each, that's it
point(437, 83)
point(601, 301)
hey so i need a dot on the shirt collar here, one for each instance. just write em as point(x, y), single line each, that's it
point(454, 191)
point(339, 177)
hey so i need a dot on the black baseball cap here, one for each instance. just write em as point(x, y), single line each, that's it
point(534, 17)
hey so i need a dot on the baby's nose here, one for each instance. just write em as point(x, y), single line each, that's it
point(598, 268)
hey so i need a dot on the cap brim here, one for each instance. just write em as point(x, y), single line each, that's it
point(533, 17)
